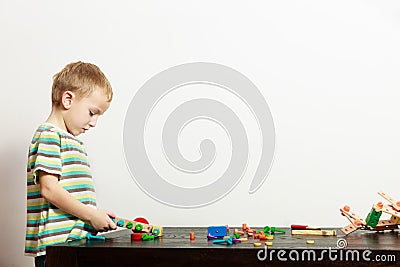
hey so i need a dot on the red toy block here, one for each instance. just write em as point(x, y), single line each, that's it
point(136, 236)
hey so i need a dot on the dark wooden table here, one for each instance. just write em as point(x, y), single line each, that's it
point(175, 248)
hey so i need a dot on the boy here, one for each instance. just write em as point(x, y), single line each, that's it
point(61, 202)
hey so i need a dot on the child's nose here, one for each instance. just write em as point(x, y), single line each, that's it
point(93, 121)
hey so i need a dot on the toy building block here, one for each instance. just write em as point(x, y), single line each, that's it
point(385, 225)
point(136, 236)
point(211, 237)
point(273, 230)
point(238, 231)
point(390, 210)
point(157, 230)
point(353, 218)
point(374, 215)
point(303, 227)
point(236, 240)
point(314, 232)
point(147, 237)
point(132, 224)
point(395, 204)
point(262, 237)
point(122, 222)
point(219, 241)
point(395, 220)
point(270, 237)
point(89, 236)
point(231, 239)
point(228, 241)
point(356, 221)
point(248, 230)
point(141, 220)
point(349, 229)
point(217, 231)
point(147, 228)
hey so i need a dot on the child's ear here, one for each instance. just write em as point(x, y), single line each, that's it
point(67, 99)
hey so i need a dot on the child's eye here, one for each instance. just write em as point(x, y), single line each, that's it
point(91, 113)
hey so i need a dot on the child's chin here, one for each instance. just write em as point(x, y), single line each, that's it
point(75, 133)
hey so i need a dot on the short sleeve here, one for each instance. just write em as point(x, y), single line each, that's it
point(46, 151)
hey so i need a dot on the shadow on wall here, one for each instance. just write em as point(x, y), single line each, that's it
point(13, 158)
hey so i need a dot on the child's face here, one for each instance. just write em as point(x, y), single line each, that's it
point(84, 112)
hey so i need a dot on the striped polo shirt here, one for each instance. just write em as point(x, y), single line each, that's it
point(57, 152)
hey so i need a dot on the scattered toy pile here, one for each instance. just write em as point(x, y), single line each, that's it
point(220, 234)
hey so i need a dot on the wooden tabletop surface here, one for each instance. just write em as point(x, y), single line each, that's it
point(175, 248)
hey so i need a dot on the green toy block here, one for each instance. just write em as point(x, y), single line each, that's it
point(373, 217)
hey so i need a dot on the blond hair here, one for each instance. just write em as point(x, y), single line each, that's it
point(80, 78)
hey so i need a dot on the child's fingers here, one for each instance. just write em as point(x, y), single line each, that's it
point(111, 224)
point(110, 213)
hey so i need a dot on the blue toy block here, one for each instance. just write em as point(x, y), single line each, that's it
point(217, 231)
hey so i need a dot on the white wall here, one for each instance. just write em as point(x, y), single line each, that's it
point(328, 70)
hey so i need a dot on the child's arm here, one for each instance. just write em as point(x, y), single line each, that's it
point(54, 193)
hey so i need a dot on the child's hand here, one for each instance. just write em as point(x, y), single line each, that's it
point(100, 220)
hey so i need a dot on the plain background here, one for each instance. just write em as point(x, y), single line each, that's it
point(329, 71)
